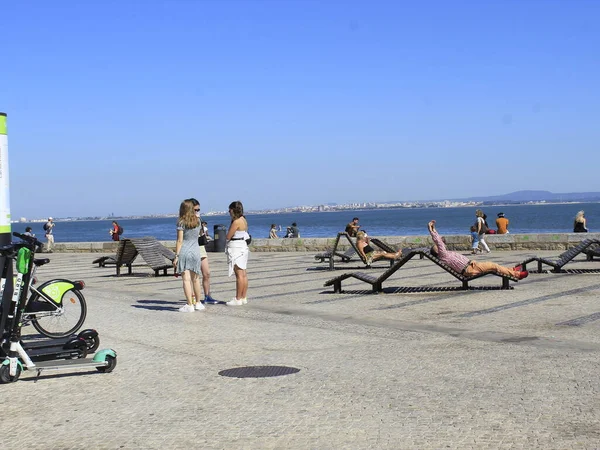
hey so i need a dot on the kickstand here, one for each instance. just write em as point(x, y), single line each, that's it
point(39, 372)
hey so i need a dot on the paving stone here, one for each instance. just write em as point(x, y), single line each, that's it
point(475, 369)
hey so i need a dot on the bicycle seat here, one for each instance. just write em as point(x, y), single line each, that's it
point(41, 261)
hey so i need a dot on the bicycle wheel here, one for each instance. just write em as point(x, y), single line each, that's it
point(62, 323)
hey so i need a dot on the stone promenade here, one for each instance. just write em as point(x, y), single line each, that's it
point(429, 369)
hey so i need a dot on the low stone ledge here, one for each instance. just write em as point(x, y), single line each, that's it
point(541, 241)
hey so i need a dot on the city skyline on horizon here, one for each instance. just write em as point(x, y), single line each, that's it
point(332, 207)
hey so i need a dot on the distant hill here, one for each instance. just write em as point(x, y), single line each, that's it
point(538, 196)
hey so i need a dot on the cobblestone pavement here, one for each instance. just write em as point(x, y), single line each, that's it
point(436, 369)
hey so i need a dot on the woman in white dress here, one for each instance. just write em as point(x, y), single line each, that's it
point(237, 252)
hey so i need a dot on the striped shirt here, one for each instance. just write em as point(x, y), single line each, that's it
point(455, 260)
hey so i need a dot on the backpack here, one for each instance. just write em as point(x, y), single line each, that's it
point(46, 227)
point(120, 232)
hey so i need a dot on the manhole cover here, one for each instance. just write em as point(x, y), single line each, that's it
point(258, 371)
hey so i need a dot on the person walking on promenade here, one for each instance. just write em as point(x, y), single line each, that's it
point(352, 227)
point(116, 231)
point(237, 252)
point(481, 230)
point(502, 224)
point(49, 229)
point(187, 254)
point(273, 231)
point(204, 267)
point(580, 223)
point(461, 264)
point(369, 253)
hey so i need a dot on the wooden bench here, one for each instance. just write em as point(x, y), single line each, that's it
point(155, 255)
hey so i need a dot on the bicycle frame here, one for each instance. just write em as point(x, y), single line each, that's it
point(50, 293)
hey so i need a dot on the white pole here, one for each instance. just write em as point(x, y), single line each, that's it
point(4, 184)
point(5, 239)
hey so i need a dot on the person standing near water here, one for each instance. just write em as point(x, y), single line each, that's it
point(187, 254)
point(237, 252)
point(204, 267)
point(49, 229)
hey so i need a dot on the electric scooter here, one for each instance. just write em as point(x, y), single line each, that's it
point(47, 305)
point(16, 357)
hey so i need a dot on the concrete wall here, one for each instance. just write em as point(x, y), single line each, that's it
point(543, 241)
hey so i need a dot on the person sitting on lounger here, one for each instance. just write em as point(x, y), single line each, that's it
point(463, 265)
point(369, 253)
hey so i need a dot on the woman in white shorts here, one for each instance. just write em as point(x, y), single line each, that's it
point(237, 252)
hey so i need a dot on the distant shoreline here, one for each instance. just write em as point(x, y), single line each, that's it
point(424, 206)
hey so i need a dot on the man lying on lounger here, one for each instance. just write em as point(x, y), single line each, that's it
point(465, 266)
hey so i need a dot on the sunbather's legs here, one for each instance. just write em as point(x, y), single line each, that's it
point(477, 268)
point(387, 255)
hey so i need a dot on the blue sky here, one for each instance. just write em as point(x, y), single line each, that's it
point(127, 107)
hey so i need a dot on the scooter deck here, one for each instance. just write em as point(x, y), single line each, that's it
point(69, 364)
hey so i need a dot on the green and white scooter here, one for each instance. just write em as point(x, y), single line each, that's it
point(16, 358)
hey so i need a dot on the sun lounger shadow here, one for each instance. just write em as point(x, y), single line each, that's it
point(376, 282)
point(562, 259)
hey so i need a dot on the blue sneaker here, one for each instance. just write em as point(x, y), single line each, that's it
point(208, 300)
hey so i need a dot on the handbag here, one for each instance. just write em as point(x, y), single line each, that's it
point(249, 240)
point(202, 238)
point(484, 228)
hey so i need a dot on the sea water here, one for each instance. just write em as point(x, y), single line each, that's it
point(554, 218)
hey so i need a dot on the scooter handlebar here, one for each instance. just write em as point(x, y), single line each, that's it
point(28, 239)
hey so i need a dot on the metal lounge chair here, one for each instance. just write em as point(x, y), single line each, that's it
point(376, 282)
point(348, 255)
point(593, 251)
point(562, 259)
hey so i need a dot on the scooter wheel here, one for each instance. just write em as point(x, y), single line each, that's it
point(5, 376)
point(112, 363)
point(92, 344)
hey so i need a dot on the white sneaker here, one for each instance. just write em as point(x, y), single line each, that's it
point(235, 302)
point(186, 308)
point(244, 301)
point(199, 306)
